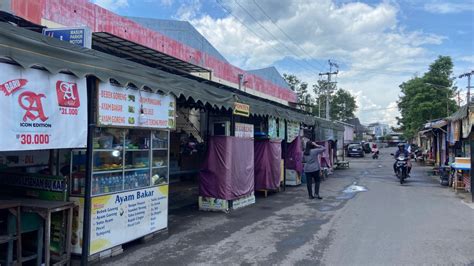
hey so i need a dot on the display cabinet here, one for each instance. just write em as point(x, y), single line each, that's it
point(123, 159)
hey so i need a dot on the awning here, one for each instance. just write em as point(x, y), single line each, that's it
point(31, 49)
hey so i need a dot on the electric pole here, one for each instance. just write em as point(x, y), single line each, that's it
point(468, 75)
point(329, 84)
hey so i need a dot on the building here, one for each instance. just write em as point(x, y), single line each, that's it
point(379, 130)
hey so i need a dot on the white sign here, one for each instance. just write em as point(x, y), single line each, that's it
point(126, 107)
point(243, 130)
point(123, 217)
point(40, 110)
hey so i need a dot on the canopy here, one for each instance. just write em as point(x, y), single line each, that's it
point(31, 49)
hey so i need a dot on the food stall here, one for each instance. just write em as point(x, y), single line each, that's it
point(43, 115)
point(129, 175)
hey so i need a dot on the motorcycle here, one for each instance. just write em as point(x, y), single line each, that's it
point(401, 167)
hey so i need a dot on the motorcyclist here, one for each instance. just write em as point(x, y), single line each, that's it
point(402, 150)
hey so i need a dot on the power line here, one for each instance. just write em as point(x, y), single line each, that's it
point(284, 33)
point(258, 35)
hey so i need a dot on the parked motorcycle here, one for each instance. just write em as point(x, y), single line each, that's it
point(401, 167)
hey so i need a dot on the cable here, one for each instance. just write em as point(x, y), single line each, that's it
point(254, 33)
point(271, 34)
point(284, 33)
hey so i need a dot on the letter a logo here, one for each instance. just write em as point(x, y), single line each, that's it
point(31, 103)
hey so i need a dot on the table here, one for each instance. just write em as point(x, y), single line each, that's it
point(14, 208)
point(45, 208)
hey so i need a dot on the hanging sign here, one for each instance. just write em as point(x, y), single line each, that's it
point(81, 36)
point(125, 216)
point(127, 107)
point(40, 110)
point(242, 109)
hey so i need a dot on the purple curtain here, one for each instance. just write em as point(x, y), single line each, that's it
point(325, 158)
point(228, 170)
point(294, 156)
point(267, 164)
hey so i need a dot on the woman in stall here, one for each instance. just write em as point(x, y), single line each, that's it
point(312, 168)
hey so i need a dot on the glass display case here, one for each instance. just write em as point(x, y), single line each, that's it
point(123, 159)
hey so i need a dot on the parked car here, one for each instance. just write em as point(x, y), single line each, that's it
point(355, 150)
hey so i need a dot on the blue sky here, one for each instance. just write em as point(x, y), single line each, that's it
point(378, 44)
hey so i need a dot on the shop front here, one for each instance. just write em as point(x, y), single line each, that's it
point(44, 116)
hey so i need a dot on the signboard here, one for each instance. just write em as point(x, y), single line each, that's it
point(81, 36)
point(24, 158)
point(242, 109)
point(272, 128)
point(123, 217)
point(293, 131)
point(40, 110)
point(127, 107)
point(244, 130)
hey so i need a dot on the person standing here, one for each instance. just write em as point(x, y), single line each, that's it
point(312, 168)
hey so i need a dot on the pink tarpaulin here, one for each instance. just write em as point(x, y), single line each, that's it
point(228, 171)
point(294, 156)
point(267, 164)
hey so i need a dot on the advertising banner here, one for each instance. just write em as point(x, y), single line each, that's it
point(123, 217)
point(293, 131)
point(40, 110)
point(243, 130)
point(127, 107)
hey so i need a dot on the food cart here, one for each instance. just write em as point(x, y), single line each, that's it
point(129, 168)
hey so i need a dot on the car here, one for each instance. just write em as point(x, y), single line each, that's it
point(355, 150)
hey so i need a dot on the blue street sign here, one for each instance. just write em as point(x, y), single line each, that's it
point(78, 35)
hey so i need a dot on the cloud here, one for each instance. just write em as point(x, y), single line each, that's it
point(438, 7)
point(112, 5)
point(376, 51)
point(468, 58)
point(188, 10)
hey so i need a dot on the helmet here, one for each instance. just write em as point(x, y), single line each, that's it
point(401, 145)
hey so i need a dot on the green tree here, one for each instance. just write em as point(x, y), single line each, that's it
point(427, 97)
point(304, 98)
point(343, 105)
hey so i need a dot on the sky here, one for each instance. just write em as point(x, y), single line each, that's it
point(377, 44)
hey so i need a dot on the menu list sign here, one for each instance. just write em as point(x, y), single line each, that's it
point(123, 217)
point(244, 130)
point(127, 107)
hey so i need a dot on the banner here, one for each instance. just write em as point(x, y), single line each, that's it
point(127, 107)
point(40, 110)
point(244, 130)
point(123, 217)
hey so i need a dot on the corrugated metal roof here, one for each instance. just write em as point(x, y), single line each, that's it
point(271, 74)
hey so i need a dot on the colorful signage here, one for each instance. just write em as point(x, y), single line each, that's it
point(242, 109)
point(81, 36)
point(122, 217)
point(127, 107)
point(40, 110)
point(244, 130)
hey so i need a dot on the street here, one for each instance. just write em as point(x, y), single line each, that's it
point(365, 218)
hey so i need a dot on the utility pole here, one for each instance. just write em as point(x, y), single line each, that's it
point(328, 85)
point(468, 75)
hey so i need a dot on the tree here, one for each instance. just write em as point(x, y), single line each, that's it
point(343, 105)
point(322, 89)
point(428, 97)
point(301, 88)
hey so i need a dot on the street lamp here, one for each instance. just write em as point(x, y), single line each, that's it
point(447, 95)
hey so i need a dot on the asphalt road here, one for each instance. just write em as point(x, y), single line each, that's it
point(387, 224)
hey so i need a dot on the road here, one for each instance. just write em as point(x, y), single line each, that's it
point(387, 224)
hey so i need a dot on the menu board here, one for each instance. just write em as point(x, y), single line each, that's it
point(40, 110)
point(128, 107)
point(123, 217)
point(244, 130)
point(293, 131)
